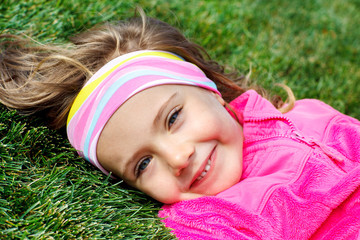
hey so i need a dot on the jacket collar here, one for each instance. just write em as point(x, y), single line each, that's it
point(259, 118)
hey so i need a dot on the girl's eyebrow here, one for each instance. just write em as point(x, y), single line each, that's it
point(162, 109)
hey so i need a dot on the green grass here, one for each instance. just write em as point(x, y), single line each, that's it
point(47, 192)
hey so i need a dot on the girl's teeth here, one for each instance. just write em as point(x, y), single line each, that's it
point(207, 168)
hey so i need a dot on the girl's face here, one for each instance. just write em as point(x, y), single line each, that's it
point(173, 142)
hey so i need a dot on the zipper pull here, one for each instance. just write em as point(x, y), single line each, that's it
point(326, 149)
point(331, 153)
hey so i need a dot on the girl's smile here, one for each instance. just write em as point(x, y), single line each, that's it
point(173, 142)
point(204, 170)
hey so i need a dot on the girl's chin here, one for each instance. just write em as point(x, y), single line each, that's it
point(190, 196)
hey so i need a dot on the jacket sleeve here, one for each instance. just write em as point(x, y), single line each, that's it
point(214, 218)
point(343, 135)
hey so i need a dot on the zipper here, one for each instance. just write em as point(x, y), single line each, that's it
point(330, 152)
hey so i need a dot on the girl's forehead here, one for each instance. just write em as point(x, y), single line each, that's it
point(140, 112)
point(142, 109)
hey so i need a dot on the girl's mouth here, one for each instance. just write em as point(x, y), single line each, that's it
point(206, 169)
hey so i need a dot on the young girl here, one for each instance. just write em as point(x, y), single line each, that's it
point(143, 103)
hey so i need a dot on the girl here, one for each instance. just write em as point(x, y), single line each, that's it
point(143, 103)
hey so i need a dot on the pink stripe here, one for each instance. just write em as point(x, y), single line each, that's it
point(174, 66)
point(197, 76)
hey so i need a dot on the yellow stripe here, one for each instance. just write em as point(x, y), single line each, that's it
point(88, 89)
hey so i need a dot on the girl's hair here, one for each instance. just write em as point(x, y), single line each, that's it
point(45, 79)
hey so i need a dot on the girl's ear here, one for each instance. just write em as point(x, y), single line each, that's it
point(219, 98)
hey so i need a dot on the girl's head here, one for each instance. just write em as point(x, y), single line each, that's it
point(160, 124)
point(47, 79)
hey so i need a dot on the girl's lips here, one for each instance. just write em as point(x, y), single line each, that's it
point(208, 163)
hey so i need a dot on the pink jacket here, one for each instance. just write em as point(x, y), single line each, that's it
point(301, 178)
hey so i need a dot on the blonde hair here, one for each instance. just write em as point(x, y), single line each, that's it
point(45, 79)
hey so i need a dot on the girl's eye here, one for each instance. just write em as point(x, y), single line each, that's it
point(173, 117)
point(142, 165)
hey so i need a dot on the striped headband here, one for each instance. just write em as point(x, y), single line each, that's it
point(117, 81)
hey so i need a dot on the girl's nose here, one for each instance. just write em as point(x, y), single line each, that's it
point(178, 156)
